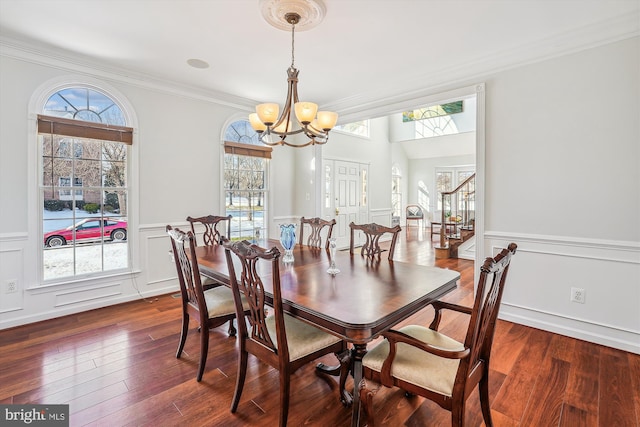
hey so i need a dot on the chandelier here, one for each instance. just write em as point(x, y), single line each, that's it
point(273, 129)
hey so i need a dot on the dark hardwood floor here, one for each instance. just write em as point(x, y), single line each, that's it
point(116, 366)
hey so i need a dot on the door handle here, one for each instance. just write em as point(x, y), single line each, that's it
point(337, 211)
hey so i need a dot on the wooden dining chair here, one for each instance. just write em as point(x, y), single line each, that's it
point(278, 339)
point(209, 308)
point(211, 236)
point(373, 232)
point(425, 362)
point(317, 225)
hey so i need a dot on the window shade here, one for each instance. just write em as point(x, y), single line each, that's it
point(81, 129)
point(247, 150)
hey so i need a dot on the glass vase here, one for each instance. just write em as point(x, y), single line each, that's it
point(288, 241)
point(333, 246)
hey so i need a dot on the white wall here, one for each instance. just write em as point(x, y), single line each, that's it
point(563, 181)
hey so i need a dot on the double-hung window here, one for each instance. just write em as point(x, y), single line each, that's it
point(83, 189)
point(246, 181)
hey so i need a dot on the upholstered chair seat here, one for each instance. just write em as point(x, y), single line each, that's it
point(302, 338)
point(418, 367)
point(220, 301)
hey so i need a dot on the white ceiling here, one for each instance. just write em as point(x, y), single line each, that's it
point(363, 52)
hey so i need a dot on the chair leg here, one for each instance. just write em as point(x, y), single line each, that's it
point(242, 373)
point(483, 388)
point(285, 383)
point(183, 334)
point(232, 330)
point(457, 415)
point(204, 350)
point(366, 400)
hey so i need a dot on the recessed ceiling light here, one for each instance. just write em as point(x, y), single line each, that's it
point(198, 63)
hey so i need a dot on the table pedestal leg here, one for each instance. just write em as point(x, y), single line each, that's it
point(342, 371)
point(356, 355)
point(358, 352)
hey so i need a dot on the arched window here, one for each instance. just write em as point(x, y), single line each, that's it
point(84, 149)
point(246, 183)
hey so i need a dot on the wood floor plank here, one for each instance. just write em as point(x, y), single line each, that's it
point(516, 390)
point(616, 395)
point(508, 343)
point(573, 417)
point(634, 373)
point(583, 386)
point(545, 406)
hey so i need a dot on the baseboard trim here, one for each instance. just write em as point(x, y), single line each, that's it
point(80, 308)
point(606, 335)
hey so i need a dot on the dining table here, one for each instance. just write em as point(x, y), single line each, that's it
point(367, 297)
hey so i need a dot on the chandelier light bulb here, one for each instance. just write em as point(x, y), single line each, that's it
point(284, 127)
point(327, 120)
point(256, 123)
point(305, 112)
point(268, 113)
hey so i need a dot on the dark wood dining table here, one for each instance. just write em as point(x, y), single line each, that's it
point(365, 299)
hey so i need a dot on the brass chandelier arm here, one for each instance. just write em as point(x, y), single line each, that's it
point(292, 92)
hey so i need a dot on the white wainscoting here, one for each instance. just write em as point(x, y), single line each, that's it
point(381, 216)
point(11, 261)
point(36, 302)
point(545, 269)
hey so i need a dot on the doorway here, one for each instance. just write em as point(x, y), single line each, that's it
point(346, 197)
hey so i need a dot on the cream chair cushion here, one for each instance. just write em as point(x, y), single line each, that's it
point(302, 338)
point(207, 281)
point(220, 301)
point(416, 366)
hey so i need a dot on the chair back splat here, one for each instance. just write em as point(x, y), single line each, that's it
point(373, 232)
point(279, 339)
point(434, 366)
point(211, 234)
point(316, 225)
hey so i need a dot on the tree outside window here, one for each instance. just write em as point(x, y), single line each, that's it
point(246, 163)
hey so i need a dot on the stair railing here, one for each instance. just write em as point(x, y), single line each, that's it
point(461, 214)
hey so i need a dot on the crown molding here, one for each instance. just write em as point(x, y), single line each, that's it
point(604, 32)
point(376, 101)
point(77, 64)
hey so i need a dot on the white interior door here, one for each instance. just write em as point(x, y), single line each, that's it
point(343, 196)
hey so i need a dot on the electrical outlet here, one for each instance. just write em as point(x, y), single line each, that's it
point(11, 286)
point(578, 295)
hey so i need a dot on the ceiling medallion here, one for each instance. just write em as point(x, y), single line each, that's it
point(311, 13)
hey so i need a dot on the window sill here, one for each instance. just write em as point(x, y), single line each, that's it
point(80, 282)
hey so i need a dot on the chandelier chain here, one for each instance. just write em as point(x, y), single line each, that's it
point(293, 34)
